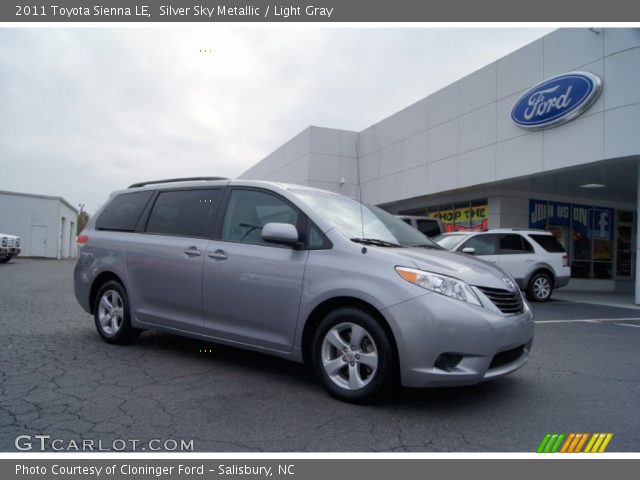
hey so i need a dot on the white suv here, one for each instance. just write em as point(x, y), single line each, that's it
point(9, 247)
point(534, 258)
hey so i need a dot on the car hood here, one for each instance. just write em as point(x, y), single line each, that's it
point(8, 236)
point(453, 264)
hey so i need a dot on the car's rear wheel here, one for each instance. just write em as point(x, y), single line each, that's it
point(354, 357)
point(112, 315)
point(540, 287)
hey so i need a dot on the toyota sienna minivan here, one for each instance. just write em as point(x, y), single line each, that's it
point(305, 274)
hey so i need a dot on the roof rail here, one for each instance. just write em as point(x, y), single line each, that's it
point(173, 180)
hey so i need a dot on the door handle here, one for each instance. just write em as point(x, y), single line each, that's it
point(217, 255)
point(192, 252)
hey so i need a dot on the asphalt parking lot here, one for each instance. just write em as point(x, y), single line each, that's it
point(58, 378)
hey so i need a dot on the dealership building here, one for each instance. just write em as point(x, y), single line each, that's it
point(545, 137)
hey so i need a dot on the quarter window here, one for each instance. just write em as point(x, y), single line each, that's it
point(185, 213)
point(250, 210)
point(549, 243)
point(123, 212)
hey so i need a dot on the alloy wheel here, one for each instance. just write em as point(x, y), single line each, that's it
point(541, 287)
point(349, 356)
point(111, 312)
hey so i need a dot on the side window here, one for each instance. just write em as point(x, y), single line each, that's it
point(249, 210)
point(483, 244)
point(406, 220)
point(512, 244)
point(429, 228)
point(184, 213)
point(123, 212)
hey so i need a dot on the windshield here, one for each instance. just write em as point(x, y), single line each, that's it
point(347, 216)
point(448, 241)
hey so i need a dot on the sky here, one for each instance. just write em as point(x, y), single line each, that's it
point(85, 112)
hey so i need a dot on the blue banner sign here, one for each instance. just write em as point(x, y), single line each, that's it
point(557, 100)
point(593, 222)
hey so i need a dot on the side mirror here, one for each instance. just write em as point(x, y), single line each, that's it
point(469, 250)
point(280, 233)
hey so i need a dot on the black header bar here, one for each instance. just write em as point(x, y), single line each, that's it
point(145, 11)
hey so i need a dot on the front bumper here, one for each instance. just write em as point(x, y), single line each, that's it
point(489, 343)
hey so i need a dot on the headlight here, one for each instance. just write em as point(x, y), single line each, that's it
point(4, 241)
point(451, 287)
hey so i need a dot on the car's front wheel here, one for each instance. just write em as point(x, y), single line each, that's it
point(540, 287)
point(5, 259)
point(112, 315)
point(354, 357)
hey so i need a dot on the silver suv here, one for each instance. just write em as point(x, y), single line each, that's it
point(535, 258)
point(303, 274)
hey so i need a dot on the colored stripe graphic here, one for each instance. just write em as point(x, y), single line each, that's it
point(573, 442)
point(581, 443)
point(598, 442)
point(550, 443)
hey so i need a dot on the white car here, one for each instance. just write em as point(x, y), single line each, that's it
point(534, 258)
point(9, 247)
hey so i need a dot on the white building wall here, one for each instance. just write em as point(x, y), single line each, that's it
point(37, 221)
point(317, 157)
point(463, 135)
point(68, 247)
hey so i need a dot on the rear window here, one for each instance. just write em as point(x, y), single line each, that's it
point(429, 227)
point(123, 212)
point(549, 243)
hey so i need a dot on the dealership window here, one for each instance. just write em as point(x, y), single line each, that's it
point(585, 231)
point(624, 244)
point(469, 215)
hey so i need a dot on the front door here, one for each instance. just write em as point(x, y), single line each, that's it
point(252, 289)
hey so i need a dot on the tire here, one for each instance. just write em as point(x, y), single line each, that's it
point(345, 374)
point(112, 314)
point(6, 259)
point(540, 287)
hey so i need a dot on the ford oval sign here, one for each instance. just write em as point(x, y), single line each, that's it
point(557, 100)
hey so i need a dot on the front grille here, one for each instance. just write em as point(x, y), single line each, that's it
point(507, 302)
point(507, 356)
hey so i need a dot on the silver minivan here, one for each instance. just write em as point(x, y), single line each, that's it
point(305, 274)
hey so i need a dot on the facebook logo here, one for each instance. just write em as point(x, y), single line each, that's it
point(602, 220)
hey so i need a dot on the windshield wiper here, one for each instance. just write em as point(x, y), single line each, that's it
point(425, 245)
point(375, 241)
